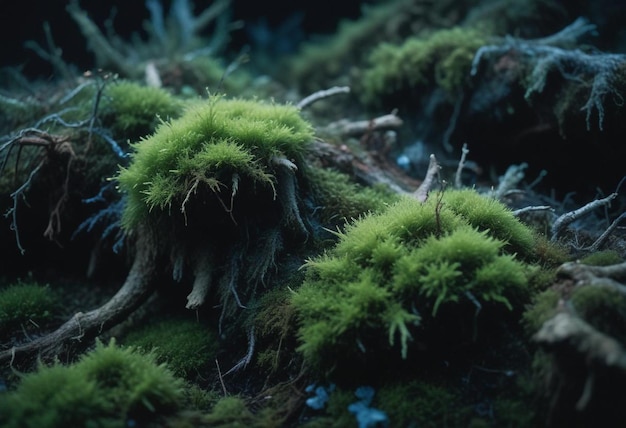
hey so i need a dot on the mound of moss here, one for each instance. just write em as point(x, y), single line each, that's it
point(219, 145)
point(110, 386)
point(186, 346)
point(132, 110)
point(432, 273)
point(26, 304)
point(443, 58)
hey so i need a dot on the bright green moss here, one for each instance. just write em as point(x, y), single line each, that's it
point(132, 110)
point(489, 214)
point(186, 346)
point(394, 271)
point(26, 304)
point(106, 388)
point(214, 145)
point(443, 58)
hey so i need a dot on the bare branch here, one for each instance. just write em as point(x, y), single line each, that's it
point(421, 194)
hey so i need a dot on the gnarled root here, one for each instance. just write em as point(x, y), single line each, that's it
point(588, 365)
point(83, 327)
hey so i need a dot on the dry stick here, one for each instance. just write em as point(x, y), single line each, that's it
point(139, 284)
point(598, 242)
point(421, 194)
point(219, 374)
point(348, 128)
point(315, 96)
point(532, 208)
point(457, 178)
point(567, 218)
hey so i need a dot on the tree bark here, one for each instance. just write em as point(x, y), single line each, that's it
point(83, 327)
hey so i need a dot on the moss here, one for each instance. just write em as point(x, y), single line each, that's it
point(229, 412)
point(603, 307)
point(417, 403)
point(602, 258)
point(204, 149)
point(26, 304)
point(202, 73)
point(543, 307)
point(490, 215)
point(394, 275)
point(56, 396)
point(341, 199)
point(442, 58)
point(133, 381)
point(108, 387)
point(186, 346)
point(327, 59)
point(132, 110)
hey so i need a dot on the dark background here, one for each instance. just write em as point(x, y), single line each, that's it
point(22, 20)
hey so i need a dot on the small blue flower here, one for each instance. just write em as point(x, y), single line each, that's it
point(320, 399)
point(366, 416)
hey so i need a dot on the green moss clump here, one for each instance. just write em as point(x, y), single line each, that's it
point(107, 387)
point(56, 396)
point(543, 307)
point(442, 58)
point(397, 274)
point(603, 307)
point(330, 58)
point(229, 412)
point(186, 346)
point(26, 304)
point(213, 145)
point(602, 258)
point(341, 199)
point(421, 404)
point(132, 110)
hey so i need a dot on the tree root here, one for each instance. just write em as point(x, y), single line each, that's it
point(586, 361)
point(83, 327)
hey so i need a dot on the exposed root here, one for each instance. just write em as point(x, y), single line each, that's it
point(287, 195)
point(83, 327)
point(203, 273)
point(264, 256)
point(586, 360)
